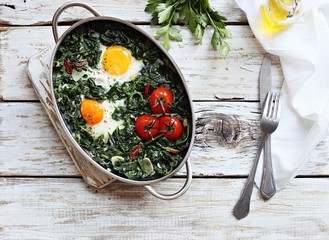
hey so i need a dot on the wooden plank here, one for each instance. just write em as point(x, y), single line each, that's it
point(29, 145)
point(68, 208)
point(208, 75)
point(37, 12)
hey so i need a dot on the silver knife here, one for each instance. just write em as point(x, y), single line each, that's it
point(267, 187)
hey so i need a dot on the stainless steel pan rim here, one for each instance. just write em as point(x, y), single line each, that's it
point(145, 183)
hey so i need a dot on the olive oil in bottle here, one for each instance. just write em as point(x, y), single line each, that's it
point(278, 15)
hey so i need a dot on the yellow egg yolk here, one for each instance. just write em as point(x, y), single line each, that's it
point(92, 111)
point(116, 60)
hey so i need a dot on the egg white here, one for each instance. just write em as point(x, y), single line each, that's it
point(108, 125)
point(103, 78)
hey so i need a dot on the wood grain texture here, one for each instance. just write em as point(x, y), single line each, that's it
point(208, 75)
point(68, 209)
point(43, 196)
point(29, 145)
point(38, 12)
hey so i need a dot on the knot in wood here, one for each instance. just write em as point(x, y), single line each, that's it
point(216, 128)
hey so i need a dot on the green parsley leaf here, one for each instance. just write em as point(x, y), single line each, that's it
point(164, 13)
point(165, 41)
point(224, 49)
point(152, 4)
point(163, 34)
point(226, 33)
point(174, 34)
point(196, 14)
point(161, 31)
point(198, 33)
point(215, 39)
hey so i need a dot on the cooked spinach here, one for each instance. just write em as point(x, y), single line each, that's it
point(114, 153)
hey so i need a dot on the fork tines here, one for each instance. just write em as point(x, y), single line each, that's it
point(272, 106)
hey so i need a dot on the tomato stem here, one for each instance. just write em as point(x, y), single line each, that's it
point(154, 139)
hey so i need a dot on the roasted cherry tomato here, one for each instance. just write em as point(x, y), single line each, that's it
point(171, 127)
point(146, 126)
point(159, 100)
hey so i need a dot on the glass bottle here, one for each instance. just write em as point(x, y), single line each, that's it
point(278, 15)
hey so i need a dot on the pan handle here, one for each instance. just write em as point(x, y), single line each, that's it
point(61, 9)
point(180, 192)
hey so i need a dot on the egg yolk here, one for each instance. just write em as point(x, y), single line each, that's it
point(116, 60)
point(92, 111)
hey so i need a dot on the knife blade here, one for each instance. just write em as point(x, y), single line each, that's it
point(265, 79)
point(267, 187)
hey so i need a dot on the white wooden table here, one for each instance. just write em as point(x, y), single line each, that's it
point(42, 194)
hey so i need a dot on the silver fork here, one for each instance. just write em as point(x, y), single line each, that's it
point(268, 124)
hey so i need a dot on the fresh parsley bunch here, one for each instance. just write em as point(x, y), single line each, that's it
point(196, 14)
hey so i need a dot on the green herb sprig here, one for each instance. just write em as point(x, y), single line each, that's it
point(196, 14)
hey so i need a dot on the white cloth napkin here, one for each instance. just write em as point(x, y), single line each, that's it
point(304, 54)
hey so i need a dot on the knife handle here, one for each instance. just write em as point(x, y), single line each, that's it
point(267, 187)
